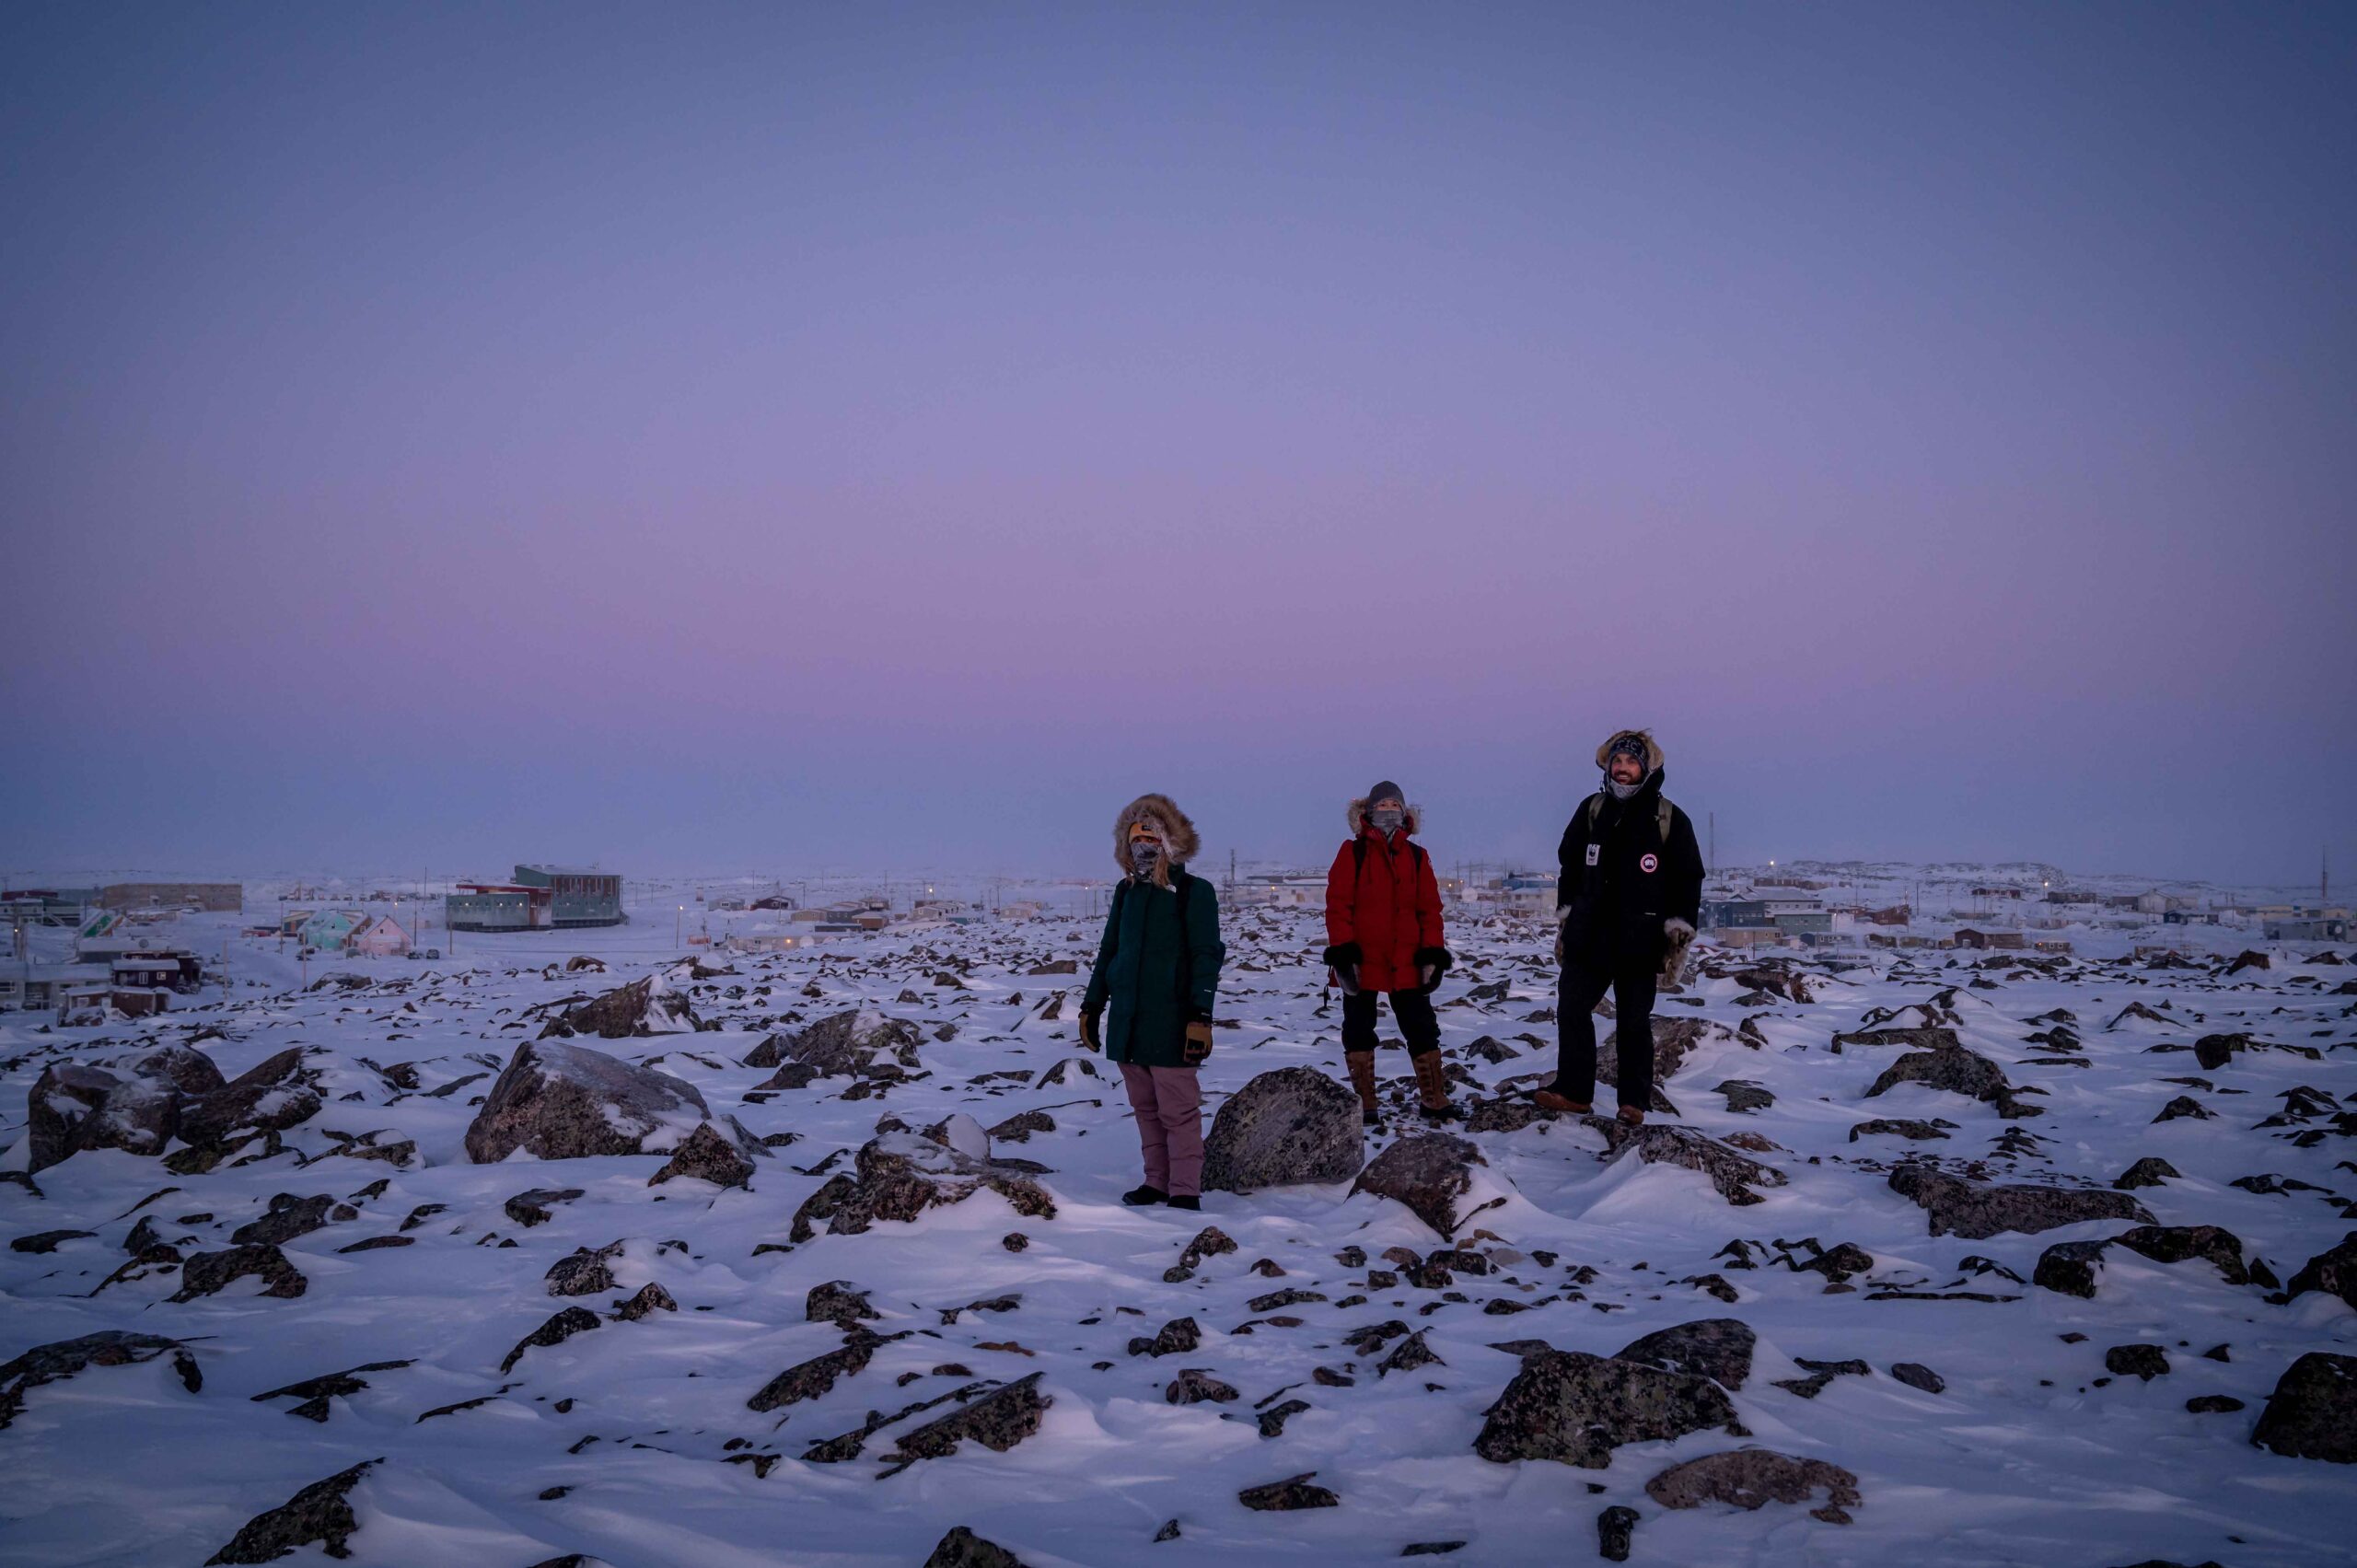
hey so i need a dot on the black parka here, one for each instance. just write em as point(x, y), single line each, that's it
point(1640, 876)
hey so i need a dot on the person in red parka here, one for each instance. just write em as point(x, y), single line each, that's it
point(1383, 924)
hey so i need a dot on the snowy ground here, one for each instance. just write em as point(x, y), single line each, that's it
point(634, 1444)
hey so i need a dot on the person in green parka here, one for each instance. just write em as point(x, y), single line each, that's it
point(1158, 968)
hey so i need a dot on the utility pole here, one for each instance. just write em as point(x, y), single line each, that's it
point(1714, 843)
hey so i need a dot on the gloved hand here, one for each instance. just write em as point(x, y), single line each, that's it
point(1089, 1039)
point(1199, 1041)
point(1431, 963)
point(1561, 915)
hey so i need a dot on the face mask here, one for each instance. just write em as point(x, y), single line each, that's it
point(1144, 853)
point(1388, 819)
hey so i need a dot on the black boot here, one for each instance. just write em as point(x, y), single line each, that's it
point(1140, 1196)
point(1187, 1200)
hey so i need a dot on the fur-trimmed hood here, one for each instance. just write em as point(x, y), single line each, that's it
point(1653, 749)
point(1412, 823)
point(1180, 841)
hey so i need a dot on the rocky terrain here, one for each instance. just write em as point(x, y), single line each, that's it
point(818, 1258)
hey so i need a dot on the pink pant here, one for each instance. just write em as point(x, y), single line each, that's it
point(1170, 1105)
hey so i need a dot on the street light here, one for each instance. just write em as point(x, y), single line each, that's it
point(678, 926)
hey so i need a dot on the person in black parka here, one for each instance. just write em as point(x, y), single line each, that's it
point(1630, 894)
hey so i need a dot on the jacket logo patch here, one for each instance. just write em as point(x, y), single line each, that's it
point(1649, 862)
point(1592, 851)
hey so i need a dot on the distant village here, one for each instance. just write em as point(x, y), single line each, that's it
point(130, 953)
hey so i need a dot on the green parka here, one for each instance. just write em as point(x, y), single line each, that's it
point(1158, 970)
point(1155, 981)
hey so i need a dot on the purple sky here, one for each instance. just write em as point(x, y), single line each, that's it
point(701, 437)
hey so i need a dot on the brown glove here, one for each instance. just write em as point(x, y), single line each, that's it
point(1089, 1038)
point(1198, 1043)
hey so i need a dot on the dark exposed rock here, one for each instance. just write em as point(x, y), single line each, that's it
point(64, 1358)
point(1956, 1071)
point(1744, 1097)
point(1733, 1174)
point(1289, 1127)
point(270, 1097)
point(1408, 1355)
point(1674, 1041)
point(72, 1106)
point(290, 1216)
point(1915, 1375)
point(643, 1008)
point(838, 1302)
point(556, 1331)
point(1272, 1420)
point(2150, 1171)
point(901, 1175)
point(46, 1240)
point(559, 1101)
point(320, 1512)
point(1613, 1528)
point(1575, 1407)
point(1977, 1210)
point(705, 1155)
point(2212, 1404)
point(315, 1392)
point(1178, 1335)
point(1920, 1132)
point(2074, 1268)
point(2145, 1361)
point(532, 1206)
point(849, 1044)
point(1752, 1478)
point(1505, 1113)
point(206, 1273)
point(2312, 1414)
point(961, 1547)
point(1717, 1348)
point(998, 1421)
point(583, 1271)
point(809, 1380)
point(1431, 1173)
point(651, 1297)
point(1283, 1496)
point(2213, 1051)
point(2185, 1107)
point(1196, 1385)
point(2333, 1271)
point(1925, 1038)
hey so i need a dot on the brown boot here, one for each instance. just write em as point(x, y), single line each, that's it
point(1362, 1066)
point(1432, 1086)
point(1561, 1104)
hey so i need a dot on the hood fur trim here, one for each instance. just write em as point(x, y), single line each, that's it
point(1180, 841)
point(1653, 749)
point(1414, 821)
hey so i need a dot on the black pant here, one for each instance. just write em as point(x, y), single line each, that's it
point(1631, 975)
point(1412, 1008)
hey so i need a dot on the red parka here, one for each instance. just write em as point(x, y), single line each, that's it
point(1390, 905)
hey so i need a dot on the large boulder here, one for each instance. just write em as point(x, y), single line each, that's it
point(1956, 1071)
point(273, 1095)
point(1752, 1478)
point(73, 1107)
point(998, 1421)
point(898, 1176)
point(2333, 1271)
point(2074, 1268)
point(184, 1067)
point(1575, 1408)
point(849, 1044)
point(1661, 1143)
point(1717, 1348)
point(2312, 1414)
point(1291, 1127)
point(319, 1513)
point(1976, 1210)
point(646, 1007)
point(1432, 1173)
point(557, 1101)
point(109, 1347)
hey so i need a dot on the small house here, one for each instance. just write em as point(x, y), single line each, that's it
point(379, 938)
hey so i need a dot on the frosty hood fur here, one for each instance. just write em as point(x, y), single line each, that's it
point(1412, 823)
point(1178, 840)
point(1653, 749)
